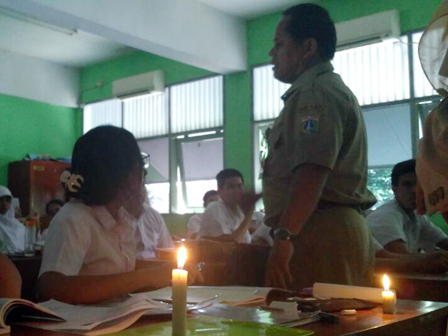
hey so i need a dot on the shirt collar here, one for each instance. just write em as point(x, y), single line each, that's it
point(104, 217)
point(308, 77)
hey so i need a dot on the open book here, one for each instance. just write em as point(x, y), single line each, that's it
point(86, 320)
point(15, 310)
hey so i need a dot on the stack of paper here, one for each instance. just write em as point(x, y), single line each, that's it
point(230, 295)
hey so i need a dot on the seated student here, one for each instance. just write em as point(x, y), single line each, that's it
point(12, 232)
point(396, 225)
point(10, 280)
point(149, 228)
point(90, 252)
point(194, 224)
point(228, 218)
point(51, 209)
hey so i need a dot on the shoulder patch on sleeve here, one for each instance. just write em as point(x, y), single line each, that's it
point(309, 124)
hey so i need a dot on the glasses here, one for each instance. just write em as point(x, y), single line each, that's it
point(145, 159)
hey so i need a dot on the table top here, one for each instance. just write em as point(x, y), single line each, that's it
point(412, 318)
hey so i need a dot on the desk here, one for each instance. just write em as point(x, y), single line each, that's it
point(431, 287)
point(412, 318)
point(28, 268)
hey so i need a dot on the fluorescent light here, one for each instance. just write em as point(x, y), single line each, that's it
point(36, 22)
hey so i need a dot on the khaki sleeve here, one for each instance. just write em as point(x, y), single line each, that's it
point(314, 130)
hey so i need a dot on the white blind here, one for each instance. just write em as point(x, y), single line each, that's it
point(267, 93)
point(102, 113)
point(197, 105)
point(146, 116)
point(388, 134)
point(422, 87)
point(376, 73)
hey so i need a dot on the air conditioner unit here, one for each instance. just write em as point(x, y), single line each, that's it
point(133, 86)
point(368, 29)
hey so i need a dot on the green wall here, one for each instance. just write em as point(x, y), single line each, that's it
point(32, 127)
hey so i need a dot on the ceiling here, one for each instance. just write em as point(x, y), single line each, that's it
point(76, 48)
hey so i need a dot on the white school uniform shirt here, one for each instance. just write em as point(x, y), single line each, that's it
point(390, 222)
point(87, 240)
point(220, 220)
point(194, 224)
point(12, 235)
point(150, 231)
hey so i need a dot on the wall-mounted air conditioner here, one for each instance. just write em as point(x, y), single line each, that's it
point(133, 86)
point(368, 29)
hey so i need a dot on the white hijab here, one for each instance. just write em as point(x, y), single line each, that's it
point(12, 232)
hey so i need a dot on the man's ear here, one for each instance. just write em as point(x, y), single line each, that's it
point(394, 189)
point(310, 47)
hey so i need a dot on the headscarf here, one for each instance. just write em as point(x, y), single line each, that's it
point(432, 158)
point(6, 192)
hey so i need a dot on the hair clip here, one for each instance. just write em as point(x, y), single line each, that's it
point(72, 181)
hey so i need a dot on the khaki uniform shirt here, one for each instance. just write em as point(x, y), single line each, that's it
point(322, 124)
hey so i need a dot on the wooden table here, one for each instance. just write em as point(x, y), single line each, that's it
point(430, 287)
point(412, 318)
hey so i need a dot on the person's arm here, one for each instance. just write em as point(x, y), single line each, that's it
point(397, 246)
point(308, 183)
point(435, 262)
point(90, 289)
point(10, 280)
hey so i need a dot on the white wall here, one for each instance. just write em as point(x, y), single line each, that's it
point(183, 30)
point(38, 80)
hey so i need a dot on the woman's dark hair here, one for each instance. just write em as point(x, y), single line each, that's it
point(312, 21)
point(104, 157)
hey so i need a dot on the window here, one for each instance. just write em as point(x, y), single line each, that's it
point(181, 130)
point(376, 73)
point(199, 159)
point(157, 177)
point(380, 184)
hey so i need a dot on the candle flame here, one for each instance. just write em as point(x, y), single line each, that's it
point(181, 257)
point(386, 282)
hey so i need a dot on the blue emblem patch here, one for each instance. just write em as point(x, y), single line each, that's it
point(310, 125)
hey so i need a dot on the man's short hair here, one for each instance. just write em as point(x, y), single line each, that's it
point(225, 174)
point(53, 201)
point(401, 169)
point(312, 21)
point(208, 194)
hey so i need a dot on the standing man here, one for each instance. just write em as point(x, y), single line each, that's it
point(315, 175)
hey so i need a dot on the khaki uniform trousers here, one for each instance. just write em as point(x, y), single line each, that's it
point(335, 246)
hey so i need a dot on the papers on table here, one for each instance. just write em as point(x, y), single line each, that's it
point(230, 295)
point(329, 291)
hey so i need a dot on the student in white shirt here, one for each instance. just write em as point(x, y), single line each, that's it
point(396, 224)
point(90, 253)
point(194, 224)
point(230, 217)
point(149, 229)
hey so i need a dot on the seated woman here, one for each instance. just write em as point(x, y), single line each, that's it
point(10, 280)
point(90, 252)
point(12, 232)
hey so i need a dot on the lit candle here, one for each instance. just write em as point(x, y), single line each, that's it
point(179, 285)
point(389, 297)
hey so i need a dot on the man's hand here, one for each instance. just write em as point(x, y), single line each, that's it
point(248, 202)
point(277, 273)
point(434, 262)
